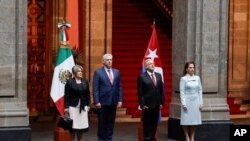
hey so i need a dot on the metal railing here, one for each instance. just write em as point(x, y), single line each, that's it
point(166, 6)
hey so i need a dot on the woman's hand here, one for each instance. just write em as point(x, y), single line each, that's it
point(201, 106)
point(66, 112)
point(87, 108)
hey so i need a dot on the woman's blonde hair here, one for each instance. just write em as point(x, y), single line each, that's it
point(76, 68)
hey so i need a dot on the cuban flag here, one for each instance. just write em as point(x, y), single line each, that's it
point(153, 52)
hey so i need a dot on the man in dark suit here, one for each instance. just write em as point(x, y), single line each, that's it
point(151, 99)
point(107, 93)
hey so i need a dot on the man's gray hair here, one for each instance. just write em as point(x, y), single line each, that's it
point(106, 55)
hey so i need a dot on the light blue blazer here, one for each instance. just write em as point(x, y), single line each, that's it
point(191, 97)
point(190, 85)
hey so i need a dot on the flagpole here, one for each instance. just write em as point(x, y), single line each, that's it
point(65, 11)
point(64, 64)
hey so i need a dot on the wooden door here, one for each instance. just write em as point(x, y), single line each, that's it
point(38, 56)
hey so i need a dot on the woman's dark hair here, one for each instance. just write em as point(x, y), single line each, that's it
point(186, 66)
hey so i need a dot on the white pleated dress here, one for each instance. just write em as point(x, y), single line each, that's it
point(191, 96)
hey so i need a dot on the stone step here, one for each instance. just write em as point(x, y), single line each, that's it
point(121, 116)
point(245, 107)
point(120, 113)
point(123, 119)
point(93, 118)
point(238, 101)
point(240, 116)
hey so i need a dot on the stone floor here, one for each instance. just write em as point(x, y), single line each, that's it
point(43, 130)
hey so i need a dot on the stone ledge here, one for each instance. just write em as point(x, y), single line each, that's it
point(214, 128)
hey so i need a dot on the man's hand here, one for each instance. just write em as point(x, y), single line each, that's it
point(119, 104)
point(98, 105)
point(161, 106)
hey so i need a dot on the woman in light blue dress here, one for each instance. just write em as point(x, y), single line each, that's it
point(191, 100)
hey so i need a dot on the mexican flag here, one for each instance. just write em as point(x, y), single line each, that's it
point(64, 64)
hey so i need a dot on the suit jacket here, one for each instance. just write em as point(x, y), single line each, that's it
point(73, 93)
point(148, 94)
point(105, 92)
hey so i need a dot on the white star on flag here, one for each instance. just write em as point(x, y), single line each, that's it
point(152, 54)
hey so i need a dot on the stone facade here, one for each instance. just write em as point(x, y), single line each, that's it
point(200, 34)
point(98, 34)
point(14, 114)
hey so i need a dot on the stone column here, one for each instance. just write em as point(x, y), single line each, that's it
point(200, 34)
point(14, 114)
point(98, 34)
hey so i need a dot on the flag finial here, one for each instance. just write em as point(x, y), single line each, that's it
point(154, 21)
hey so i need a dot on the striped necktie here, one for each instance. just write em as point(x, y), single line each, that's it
point(153, 79)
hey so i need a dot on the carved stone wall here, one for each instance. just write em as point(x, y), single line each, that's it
point(200, 30)
point(200, 34)
point(14, 114)
point(13, 63)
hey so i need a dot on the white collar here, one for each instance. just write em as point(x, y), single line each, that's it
point(149, 73)
point(188, 75)
point(106, 69)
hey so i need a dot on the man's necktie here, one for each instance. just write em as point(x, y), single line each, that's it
point(153, 79)
point(110, 76)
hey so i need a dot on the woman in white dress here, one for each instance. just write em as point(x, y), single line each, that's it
point(191, 101)
point(77, 100)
